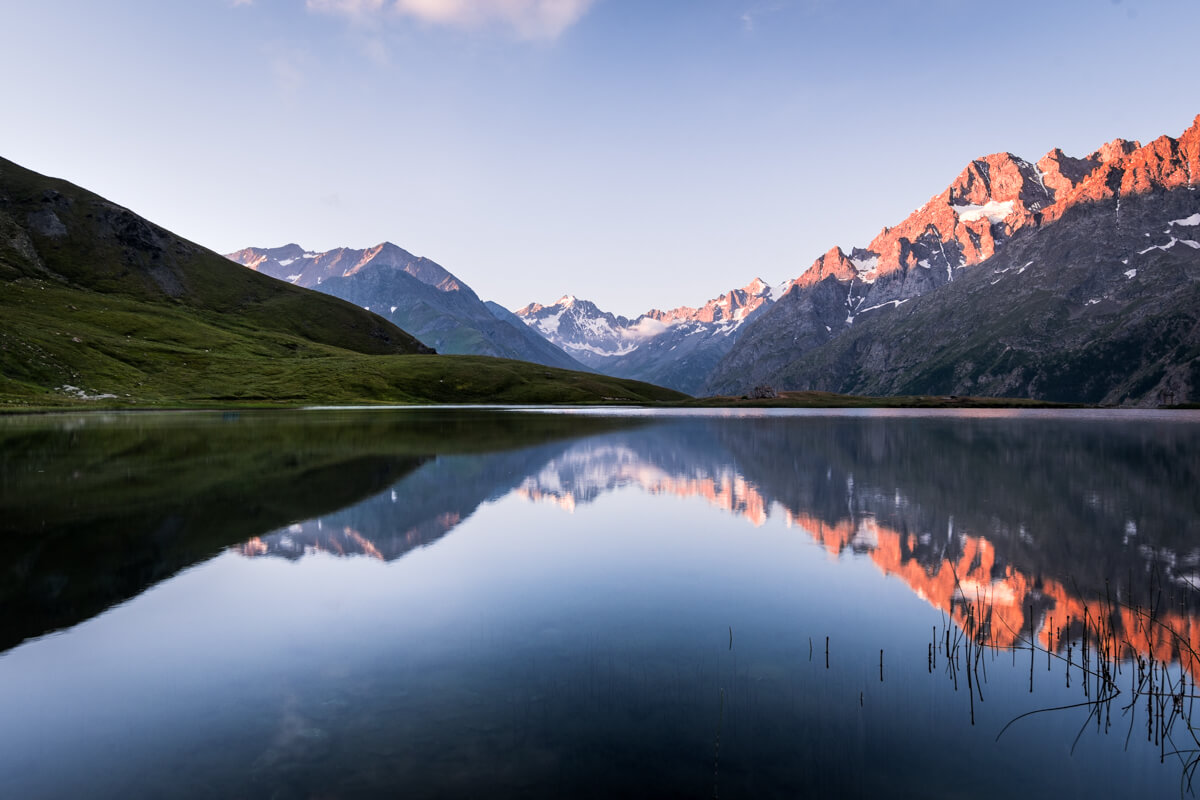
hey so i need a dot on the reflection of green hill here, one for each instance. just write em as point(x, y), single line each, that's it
point(95, 510)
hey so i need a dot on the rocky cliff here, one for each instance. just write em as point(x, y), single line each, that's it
point(1066, 279)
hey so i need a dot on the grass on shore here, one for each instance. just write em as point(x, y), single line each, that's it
point(62, 347)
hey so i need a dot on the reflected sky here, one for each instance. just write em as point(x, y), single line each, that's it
point(639, 610)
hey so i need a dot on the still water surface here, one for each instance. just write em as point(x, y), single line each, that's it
point(514, 603)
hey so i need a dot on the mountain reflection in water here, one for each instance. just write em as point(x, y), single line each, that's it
point(457, 603)
point(1041, 516)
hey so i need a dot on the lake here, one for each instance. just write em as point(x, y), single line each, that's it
point(599, 603)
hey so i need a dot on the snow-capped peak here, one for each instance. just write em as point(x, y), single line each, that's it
point(757, 287)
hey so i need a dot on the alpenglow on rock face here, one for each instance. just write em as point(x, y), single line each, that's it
point(415, 293)
point(675, 348)
point(1073, 279)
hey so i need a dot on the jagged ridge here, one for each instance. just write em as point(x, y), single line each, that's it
point(675, 348)
point(994, 201)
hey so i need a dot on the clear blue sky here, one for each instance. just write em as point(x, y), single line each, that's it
point(635, 152)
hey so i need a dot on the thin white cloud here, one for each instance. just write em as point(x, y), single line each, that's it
point(351, 8)
point(758, 10)
point(644, 329)
point(286, 65)
point(529, 19)
point(376, 51)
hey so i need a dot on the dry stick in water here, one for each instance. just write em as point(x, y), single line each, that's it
point(1049, 641)
point(1068, 664)
point(1031, 648)
point(970, 688)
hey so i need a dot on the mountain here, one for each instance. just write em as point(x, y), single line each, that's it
point(100, 306)
point(676, 348)
point(1073, 279)
point(96, 297)
point(415, 293)
point(580, 328)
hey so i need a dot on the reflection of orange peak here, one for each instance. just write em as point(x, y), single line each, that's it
point(254, 547)
point(564, 500)
point(947, 586)
point(969, 578)
point(367, 546)
point(728, 492)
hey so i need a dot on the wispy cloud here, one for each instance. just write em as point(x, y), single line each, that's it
point(751, 15)
point(287, 66)
point(529, 19)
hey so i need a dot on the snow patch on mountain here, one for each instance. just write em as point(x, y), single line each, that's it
point(865, 264)
point(1174, 241)
point(994, 211)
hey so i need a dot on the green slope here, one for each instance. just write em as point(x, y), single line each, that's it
point(96, 301)
point(54, 336)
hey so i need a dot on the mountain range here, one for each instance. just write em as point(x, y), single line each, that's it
point(1065, 279)
point(1070, 279)
point(414, 293)
point(1074, 279)
point(101, 306)
point(676, 348)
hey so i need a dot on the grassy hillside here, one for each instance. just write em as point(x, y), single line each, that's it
point(62, 346)
point(100, 307)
